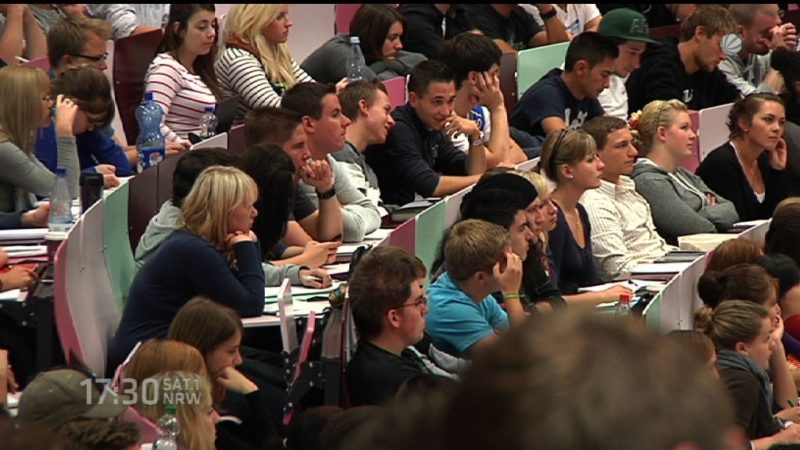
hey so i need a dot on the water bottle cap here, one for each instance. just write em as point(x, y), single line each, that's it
point(171, 409)
point(61, 172)
point(148, 95)
point(210, 109)
point(355, 40)
point(625, 298)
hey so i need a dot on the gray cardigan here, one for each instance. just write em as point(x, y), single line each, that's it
point(22, 174)
point(327, 64)
point(678, 211)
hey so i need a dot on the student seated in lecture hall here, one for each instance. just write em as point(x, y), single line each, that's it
point(418, 158)
point(212, 253)
point(681, 202)
point(325, 126)
point(463, 316)
point(568, 98)
point(623, 233)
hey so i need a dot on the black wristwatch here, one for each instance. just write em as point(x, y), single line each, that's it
point(548, 15)
point(327, 194)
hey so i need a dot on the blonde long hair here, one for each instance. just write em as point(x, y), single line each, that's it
point(191, 393)
point(217, 191)
point(246, 21)
point(656, 114)
point(21, 91)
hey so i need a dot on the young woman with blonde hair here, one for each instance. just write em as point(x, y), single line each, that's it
point(190, 393)
point(680, 201)
point(154, 356)
point(27, 105)
point(213, 252)
point(570, 159)
point(256, 63)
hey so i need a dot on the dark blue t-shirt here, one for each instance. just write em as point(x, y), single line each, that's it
point(549, 97)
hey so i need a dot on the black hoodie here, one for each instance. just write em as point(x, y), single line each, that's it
point(663, 77)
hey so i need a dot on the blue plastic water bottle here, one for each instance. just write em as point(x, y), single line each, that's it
point(151, 141)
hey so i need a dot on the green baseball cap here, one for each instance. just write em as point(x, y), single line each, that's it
point(626, 24)
point(57, 397)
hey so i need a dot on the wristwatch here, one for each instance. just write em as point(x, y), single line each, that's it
point(327, 194)
point(548, 15)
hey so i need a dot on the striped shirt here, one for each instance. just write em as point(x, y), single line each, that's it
point(182, 95)
point(623, 233)
point(241, 73)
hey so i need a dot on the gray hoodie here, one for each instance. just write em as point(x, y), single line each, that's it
point(679, 202)
point(163, 223)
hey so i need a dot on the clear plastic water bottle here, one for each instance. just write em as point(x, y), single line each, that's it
point(168, 430)
point(151, 141)
point(356, 65)
point(60, 219)
point(208, 123)
point(624, 306)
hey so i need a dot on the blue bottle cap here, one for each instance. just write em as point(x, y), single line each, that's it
point(61, 172)
point(148, 95)
point(210, 109)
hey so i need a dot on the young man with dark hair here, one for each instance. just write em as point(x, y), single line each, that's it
point(478, 260)
point(325, 127)
point(284, 128)
point(367, 105)
point(687, 70)
point(387, 295)
point(629, 30)
point(568, 98)
point(418, 157)
point(479, 104)
point(623, 232)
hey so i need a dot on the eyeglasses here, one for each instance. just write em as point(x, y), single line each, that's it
point(421, 302)
point(100, 58)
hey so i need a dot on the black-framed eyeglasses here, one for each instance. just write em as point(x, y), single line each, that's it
point(421, 302)
point(100, 58)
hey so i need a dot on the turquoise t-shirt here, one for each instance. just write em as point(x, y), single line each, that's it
point(456, 322)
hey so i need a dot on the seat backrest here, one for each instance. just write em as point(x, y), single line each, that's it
point(398, 94)
point(142, 204)
point(666, 31)
point(38, 63)
point(508, 81)
point(344, 15)
point(712, 130)
point(132, 57)
point(236, 143)
point(534, 63)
